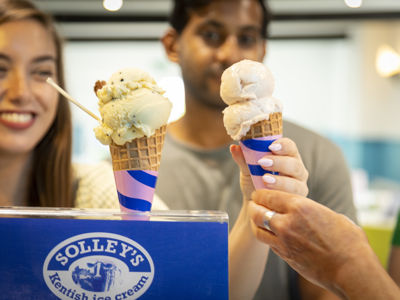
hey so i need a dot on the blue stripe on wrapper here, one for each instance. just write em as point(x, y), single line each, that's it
point(256, 170)
point(257, 145)
point(143, 177)
point(134, 203)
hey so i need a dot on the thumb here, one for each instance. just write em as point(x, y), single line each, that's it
point(238, 157)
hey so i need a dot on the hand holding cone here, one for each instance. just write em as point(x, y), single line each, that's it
point(255, 145)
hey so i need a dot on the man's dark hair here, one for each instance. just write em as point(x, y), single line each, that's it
point(180, 14)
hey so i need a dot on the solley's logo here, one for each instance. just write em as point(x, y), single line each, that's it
point(98, 266)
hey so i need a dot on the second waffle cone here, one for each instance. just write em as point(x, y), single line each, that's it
point(270, 127)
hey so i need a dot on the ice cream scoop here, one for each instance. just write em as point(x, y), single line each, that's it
point(131, 105)
point(246, 80)
point(247, 88)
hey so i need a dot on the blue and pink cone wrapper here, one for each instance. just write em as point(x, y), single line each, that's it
point(255, 145)
point(135, 166)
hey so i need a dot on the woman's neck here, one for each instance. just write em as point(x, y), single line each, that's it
point(14, 175)
point(201, 126)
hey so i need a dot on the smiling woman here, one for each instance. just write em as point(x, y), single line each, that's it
point(35, 126)
point(35, 121)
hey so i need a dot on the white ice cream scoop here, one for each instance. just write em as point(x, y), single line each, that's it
point(247, 88)
point(132, 105)
point(246, 80)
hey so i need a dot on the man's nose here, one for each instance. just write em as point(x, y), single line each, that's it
point(229, 52)
point(18, 87)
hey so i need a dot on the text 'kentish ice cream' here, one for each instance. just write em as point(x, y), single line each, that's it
point(253, 115)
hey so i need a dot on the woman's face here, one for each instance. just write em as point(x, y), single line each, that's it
point(27, 103)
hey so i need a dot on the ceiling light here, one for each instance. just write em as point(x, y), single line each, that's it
point(387, 61)
point(112, 5)
point(353, 3)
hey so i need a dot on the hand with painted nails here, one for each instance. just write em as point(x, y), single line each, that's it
point(284, 167)
point(285, 159)
point(323, 246)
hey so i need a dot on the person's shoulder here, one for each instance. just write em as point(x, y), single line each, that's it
point(308, 139)
point(295, 131)
point(82, 170)
point(95, 185)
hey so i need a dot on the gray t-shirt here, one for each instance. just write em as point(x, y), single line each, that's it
point(196, 179)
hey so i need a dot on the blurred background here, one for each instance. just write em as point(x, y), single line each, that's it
point(336, 65)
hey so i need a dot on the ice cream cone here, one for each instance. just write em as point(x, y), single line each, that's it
point(135, 166)
point(256, 142)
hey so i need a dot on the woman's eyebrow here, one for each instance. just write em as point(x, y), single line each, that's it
point(44, 58)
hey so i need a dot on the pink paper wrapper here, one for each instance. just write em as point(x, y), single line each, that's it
point(135, 190)
point(253, 150)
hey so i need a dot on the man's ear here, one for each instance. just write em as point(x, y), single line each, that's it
point(170, 42)
point(263, 50)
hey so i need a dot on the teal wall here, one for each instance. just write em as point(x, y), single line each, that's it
point(380, 158)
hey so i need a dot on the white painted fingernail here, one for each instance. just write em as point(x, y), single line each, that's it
point(275, 147)
point(265, 162)
point(269, 179)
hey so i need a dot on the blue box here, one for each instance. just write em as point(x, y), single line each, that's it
point(94, 255)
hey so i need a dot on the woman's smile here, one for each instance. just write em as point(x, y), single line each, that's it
point(17, 120)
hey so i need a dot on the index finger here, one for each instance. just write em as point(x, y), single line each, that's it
point(277, 201)
point(287, 147)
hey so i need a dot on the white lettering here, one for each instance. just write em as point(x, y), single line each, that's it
point(68, 251)
point(96, 247)
point(83, 250)
point(110, 246)
point(125, 249)
point(62, 259)
point(137, 260)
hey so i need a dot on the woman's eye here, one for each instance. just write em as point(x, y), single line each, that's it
point(3, 71)
point(42, 74)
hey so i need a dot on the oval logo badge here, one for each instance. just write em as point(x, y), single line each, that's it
point(98, 266)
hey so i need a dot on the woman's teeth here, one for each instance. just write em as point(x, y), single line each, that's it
point(16, 117)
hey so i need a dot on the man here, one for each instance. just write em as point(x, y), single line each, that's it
point(197, 170)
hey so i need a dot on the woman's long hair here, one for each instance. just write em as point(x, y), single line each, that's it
point(50, 182)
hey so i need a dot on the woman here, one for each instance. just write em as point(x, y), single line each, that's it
point(35, 121)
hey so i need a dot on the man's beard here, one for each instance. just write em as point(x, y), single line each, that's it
point(205, 90)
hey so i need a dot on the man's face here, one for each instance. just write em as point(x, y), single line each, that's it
point(219, 35)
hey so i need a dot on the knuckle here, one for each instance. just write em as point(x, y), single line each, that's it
point(280, 226)
point(297, 170)
point(301, 189)
point(306, 174)
point(296, 206)
point(305, 191)
point(292, 146)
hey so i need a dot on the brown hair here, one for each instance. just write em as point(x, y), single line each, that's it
point(50, 182)
point(180, 14)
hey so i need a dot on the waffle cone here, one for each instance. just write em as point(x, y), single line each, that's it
point(270, 127)
point(141, 154)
